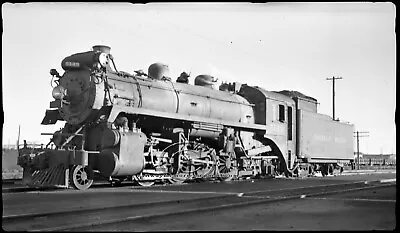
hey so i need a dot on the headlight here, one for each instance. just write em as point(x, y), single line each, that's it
point(103, 59)
point(59, 92)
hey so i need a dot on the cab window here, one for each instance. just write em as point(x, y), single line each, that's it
point(290, 136)
point(281, 116)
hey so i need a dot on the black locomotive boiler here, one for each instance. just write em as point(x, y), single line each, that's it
point(148, 128)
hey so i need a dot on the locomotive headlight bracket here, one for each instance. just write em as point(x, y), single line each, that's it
point(102, 58)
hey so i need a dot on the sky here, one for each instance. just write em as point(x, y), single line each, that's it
point(277, 46)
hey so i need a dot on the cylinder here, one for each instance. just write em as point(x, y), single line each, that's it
point(111, 138)
point(125, 159)
point(107, 162)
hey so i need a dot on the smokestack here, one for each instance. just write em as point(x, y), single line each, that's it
point(102, 48)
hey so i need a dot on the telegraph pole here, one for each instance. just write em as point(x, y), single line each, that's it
point(358, 135)
point(333, 94)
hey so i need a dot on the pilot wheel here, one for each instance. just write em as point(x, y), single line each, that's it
point(81, 177)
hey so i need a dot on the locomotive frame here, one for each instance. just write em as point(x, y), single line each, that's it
point(147, 128)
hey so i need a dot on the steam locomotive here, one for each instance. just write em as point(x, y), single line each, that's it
point(147, 128)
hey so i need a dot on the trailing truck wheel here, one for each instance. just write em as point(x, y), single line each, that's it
point(330, 169)
point(302, 171)
point(81, 177)
point(325, 170)
point(226, 168)
point(311, 171)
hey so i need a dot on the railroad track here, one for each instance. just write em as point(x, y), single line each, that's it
point(86, 219)
point(18, 182)
point(11, 181)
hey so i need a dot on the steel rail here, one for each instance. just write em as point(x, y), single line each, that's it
point(10, 181)
point(228, 200)
point(262, 200)
point(25, 217)
point(15, 181)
